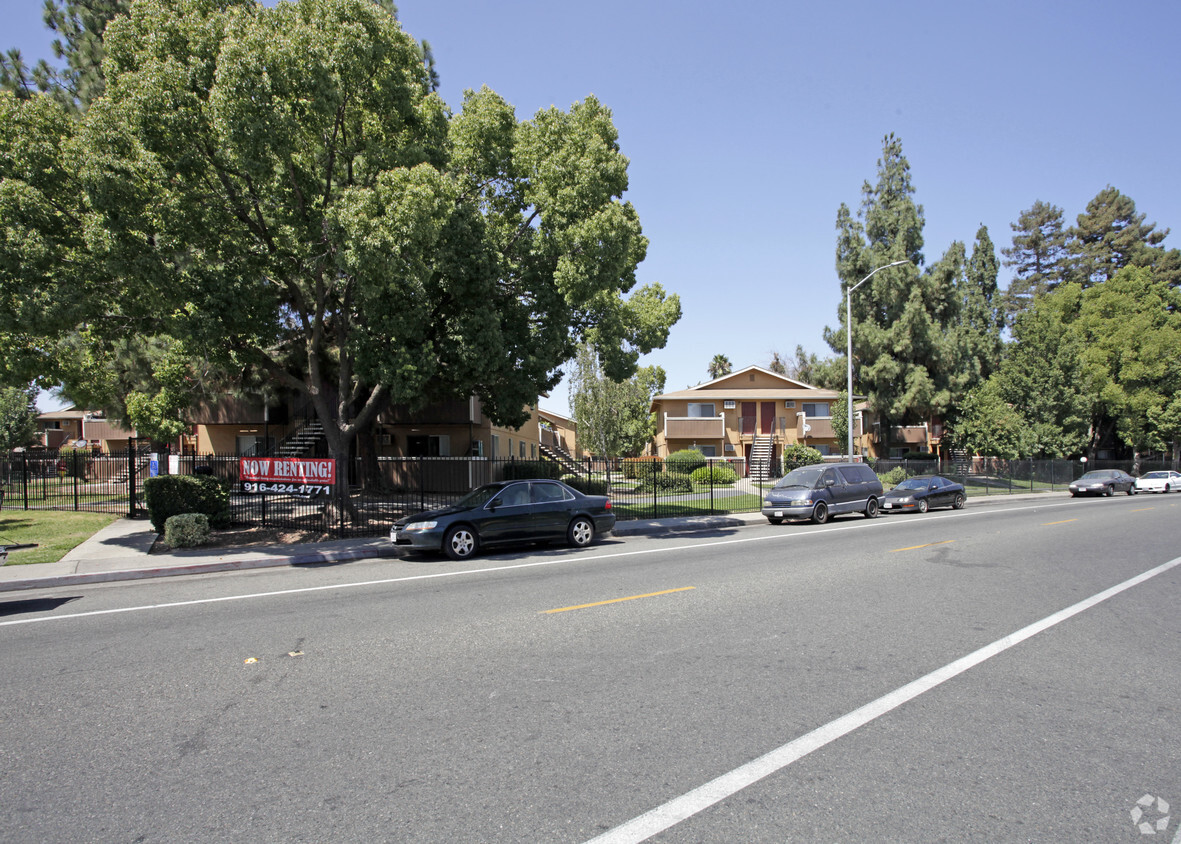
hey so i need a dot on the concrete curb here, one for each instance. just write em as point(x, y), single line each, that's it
point(638, 527)
point(246, 564)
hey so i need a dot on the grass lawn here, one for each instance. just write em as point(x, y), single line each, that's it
point(671, 507)
point(54, 532)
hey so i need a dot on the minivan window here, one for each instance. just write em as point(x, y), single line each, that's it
point(804, 477)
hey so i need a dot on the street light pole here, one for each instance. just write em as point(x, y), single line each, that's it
point(849, 354)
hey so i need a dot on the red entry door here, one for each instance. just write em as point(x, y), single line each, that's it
point(747, 423)
point(767, 418)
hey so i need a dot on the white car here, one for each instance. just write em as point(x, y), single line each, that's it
point(1165, 481)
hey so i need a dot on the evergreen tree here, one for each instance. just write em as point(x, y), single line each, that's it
point(81, 28)
point(899, 342)
point(980, 319)
point(1038, 256)
point(1110, 235)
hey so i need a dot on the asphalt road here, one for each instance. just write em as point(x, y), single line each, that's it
point(750, 685)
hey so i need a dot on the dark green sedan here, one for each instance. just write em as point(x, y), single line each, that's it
point(506, 513)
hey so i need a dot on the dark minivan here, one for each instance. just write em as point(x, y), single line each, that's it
point(822, 490)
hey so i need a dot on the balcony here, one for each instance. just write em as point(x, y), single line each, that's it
point(820, 427)
point(694, 427)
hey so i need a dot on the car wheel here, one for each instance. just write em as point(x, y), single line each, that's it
point(580, 533)
point(820, 513)
point(774, 520)
point(460, 543)
point(923, 505)
point(871, 508)
point(958, 503)
point(1109, 491)
point(1166, 487)
point(1132, 490)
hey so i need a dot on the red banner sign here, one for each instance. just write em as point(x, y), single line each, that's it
point(287, 470)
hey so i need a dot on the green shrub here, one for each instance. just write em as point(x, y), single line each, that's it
point(171, 495)
point(684, 461)
point(587, 486)
point(723, 474)
point(892, 478)
point(667, 482)
point(796, 455)
point(74, 461)
point(517, 470)
point(641, 467)
point(186, 530)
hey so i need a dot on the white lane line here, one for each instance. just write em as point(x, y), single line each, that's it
point(563, 560)
point(673, 812)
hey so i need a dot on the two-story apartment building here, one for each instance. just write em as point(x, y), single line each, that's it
point(751, 414)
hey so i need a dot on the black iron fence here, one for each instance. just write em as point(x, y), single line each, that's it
point(378, 492)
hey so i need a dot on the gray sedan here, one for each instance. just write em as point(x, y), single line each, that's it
point(1104, 482)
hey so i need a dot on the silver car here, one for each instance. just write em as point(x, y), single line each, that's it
point(1163, 481)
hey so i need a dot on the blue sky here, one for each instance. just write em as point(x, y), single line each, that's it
point(748, 124)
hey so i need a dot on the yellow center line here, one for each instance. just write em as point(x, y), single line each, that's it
point(1142, 509)
point(928, 545)
point(1063, 522)
point(618, 600)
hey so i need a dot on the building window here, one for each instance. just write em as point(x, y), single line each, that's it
point(522, 449)
point(495, 446)
point(532, 451)
point(428, 446)
point(707, 450)
point(701, 409)
point(823, 449)
point(817, 410)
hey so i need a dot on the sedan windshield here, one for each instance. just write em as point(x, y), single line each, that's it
point(801, 478)
point(1101, 475)
point(1157, 475)
point(914, 483)
point(479, 496)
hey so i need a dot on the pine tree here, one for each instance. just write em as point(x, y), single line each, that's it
point(1110, 235)
point(1038, 256)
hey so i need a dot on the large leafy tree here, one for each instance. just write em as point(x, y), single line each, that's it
point(614, 417)
point(1130, 333)
point(810, 368)
point(18, 416)
point(279, 190)
point(1038, 256)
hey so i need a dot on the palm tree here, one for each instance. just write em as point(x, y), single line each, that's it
point(720, 366)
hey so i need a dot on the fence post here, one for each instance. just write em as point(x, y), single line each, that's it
point(25, 477)
point(131, 478)
point(711, 488)
point(74, 472)
point(421, 486)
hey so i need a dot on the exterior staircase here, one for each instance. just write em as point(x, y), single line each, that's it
point(760, 458)
point(559, 455)
point(302, 441)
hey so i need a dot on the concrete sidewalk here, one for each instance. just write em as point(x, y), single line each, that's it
point(120, 551)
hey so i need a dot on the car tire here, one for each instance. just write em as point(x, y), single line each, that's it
point(1132, 490)
point(820, 513)
point(774, 520)
point(460, 542)
point(1166, 488)
point(580, 533)
point(871, 509)
point(958, 503)
point(923, 505)
point(1109, 491)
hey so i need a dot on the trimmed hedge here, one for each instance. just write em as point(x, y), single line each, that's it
point(186, 530)
point(172, 495)
point(587, 486)
point(723, 475)
point(892, 478)
point(523, 469)
point(641, 467)
point(684, 461)
point(667, 482)
point(796, 455)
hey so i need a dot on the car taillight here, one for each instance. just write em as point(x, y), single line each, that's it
point(607, 506)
